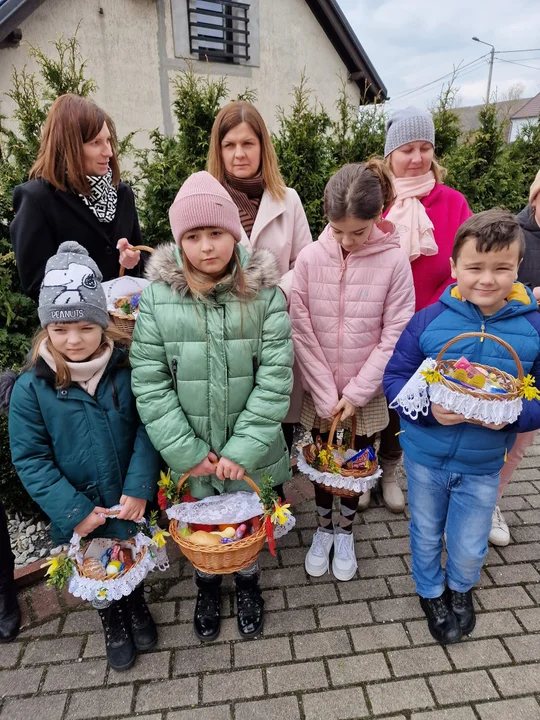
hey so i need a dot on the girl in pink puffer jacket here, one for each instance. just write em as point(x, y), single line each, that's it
point(352, 296)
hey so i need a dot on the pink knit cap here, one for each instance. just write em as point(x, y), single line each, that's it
point(202, 201)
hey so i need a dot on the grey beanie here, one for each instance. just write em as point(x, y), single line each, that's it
point(407, 126)
point(71, 289)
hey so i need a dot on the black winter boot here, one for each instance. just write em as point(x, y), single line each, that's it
point(10, 612)
point(207, 617)
point(249, 605)
point(442, 623)
point(143, 627)
point(118, 642)
point(463, 608)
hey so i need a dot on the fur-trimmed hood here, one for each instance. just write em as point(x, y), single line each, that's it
point(260, 269)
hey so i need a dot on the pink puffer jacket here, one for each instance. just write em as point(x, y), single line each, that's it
point(347, 315)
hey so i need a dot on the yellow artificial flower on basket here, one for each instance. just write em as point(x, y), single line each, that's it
point(527, 390)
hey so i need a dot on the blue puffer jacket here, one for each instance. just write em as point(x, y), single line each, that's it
point(466, 447)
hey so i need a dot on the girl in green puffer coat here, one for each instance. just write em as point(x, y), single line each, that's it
point(212, 368)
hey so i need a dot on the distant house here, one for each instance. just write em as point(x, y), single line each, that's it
point(528, 113)
point(514, 113)
point(136, 47)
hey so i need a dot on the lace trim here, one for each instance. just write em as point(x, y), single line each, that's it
point(358, 485)
point(413, 397)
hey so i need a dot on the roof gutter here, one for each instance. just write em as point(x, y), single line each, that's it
point(12, 14)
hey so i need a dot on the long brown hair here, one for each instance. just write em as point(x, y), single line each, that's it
point(228, 118)
point(359, 190)
point(63, 375)
point(201, 285)
point(71, 122)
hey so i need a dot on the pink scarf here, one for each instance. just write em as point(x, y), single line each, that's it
point(87, 373)
point(410, 218)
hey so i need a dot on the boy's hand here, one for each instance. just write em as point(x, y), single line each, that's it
point(205, 467)
point(132, 508)
point(129, 257)
point(347, 407)
point(227, 469)
point(446, 417)
point(91, 522)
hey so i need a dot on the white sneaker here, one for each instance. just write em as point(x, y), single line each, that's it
point(500, 534)
point(344, 563)
point(317, 562)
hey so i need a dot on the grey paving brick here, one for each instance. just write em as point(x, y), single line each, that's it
point(534, 590)
point(234, 685)
point(371, 531)
point(20, 682)
point(202, 659)
point(493, 557)
point(216, 712)
point(9, 654)
point(100, 703)
point(82, 621)
point(513, 574)
point(524, 648)
point(284, 577)
point(381, 567)
point(530, 618)
point(90, 673)
point(363, 550)
point(363, 589)
point(478, 653)
point(378, 637)
point(399, 528)
point(311, 595)
point(298, 676)
point(519, 488)
point(399, 695)
point(183, 589)
point(163, 612)
point(521, 553)
point(531, 500)
point(525, 534)
point(95, 646)
point(380, 514)
point(321, 644)
point(43, 630)
point(503, 598)
point(418, 661)
point(393, 609)
point(397, 546)
point(167, 693)
point(529, 517)
point(358, 669)
point(285, 708)
point(463, 713)
point(335, 705)
point(402, 585)
point(45, 651)
point(262, 652)
point(278, 623)
point(49, 707)
point(274, 600)
point(524, 709)
point(463, 687)
point(292, 556)
point(149, 666)
point(179, 636)
point(514, 503)
point(344, 614)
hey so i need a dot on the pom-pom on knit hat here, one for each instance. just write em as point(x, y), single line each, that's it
point(202, 201)
point(406, 126)
point(71, 289)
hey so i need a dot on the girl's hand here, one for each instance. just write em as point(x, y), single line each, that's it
point(347, 407)
point(91, 522)
point(446, 417)
point(132, 508)
point(205, 467)
point(227, 469)
point(536, 292)
point(129, 258)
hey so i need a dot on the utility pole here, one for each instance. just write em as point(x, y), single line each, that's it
point(491, 61)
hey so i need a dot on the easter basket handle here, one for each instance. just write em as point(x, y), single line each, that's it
point(144, 248)
point(489, 337)
point(335, 423)
point(246, 479)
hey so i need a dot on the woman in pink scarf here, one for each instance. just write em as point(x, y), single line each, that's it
point(427, 215)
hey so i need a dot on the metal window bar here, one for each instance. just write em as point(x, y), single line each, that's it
point(230, 43)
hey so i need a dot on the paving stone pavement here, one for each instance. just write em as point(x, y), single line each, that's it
point(329, 651)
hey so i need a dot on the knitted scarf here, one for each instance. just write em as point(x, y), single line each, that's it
point(87, 373)
point(103, 197)
point(410, 218)
point(246, 194)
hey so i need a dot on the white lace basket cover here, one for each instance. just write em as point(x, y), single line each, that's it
point(114, 588)
point(224, 509)
point(415, 397)
point(357, 485)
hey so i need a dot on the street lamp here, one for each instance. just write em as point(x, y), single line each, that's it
point(491, 59)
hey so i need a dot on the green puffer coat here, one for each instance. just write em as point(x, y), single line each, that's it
point(214, 375)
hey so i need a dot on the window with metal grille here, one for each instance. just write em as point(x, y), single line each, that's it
point(218, 30)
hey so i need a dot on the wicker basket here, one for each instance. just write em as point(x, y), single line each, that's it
point(310, 458)
point(220, 559)
point(126, 323)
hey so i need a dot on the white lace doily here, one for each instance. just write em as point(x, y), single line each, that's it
point(281, 530)
point(413, 397)
point(358, 485)
point(218, 509)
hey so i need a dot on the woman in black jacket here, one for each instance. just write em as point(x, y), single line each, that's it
point(74, 193)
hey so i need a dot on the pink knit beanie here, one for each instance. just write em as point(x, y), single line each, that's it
point(535, 188)
point(203, 202)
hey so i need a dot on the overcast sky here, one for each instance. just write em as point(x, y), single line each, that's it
point(413, 42)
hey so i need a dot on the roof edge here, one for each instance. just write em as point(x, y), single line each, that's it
point(13, 13)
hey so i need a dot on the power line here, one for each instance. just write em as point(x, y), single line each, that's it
point(500, 52)
point(468, 72)
point(513, 62)
point(454, 73)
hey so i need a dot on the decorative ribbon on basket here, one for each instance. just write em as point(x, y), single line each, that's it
point(325, 464)
point(86, 575)
point(215, 556)
point(124, 306)
point(481, 393)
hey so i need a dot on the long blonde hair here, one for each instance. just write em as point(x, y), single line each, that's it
point(201, 285)
point(228, 118)
point(63, 375)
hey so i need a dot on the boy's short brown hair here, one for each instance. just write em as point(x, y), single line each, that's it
point(493, 230)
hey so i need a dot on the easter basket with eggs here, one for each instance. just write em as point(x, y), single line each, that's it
point(123, 294)
point(225, 533)
point(481, 393)
point(107, 569)
point(342, 471)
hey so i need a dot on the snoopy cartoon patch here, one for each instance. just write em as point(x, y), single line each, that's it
point(71, 283)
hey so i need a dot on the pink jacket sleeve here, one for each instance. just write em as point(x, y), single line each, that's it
point(301, 237)
point(398, 310)
point(317, 377)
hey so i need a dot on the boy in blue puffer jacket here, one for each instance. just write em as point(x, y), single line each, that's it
point(453, 465)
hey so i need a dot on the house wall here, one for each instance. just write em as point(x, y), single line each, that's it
point(134, 52)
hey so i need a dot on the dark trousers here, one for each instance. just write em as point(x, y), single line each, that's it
point(7, 559)
point(288, 432)
point(390, 449)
